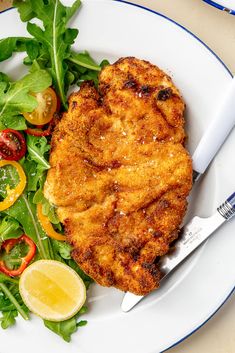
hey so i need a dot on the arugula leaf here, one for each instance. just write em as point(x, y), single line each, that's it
point(4, 78)
point(5, 303)
point(38, 196)
point(4, 278)
point(10, 300)
point(16, 122)
point(90, 74)
point(25, 9)
point(8, 318)
point(15, 98)
point(34, 175)
point(104, 63)
point(32, 49)
point(9, 228)
point(47, 209)
point(62, 248)
point(24, 211)
point(62, 252)
point(37, 148)
point(13, 44)
point(84, 60)
point(66, 328)
point(63, 328)
point(55, 38)
point(22, 44)
point(82, 323)
point(51, 46)
point(12, 259)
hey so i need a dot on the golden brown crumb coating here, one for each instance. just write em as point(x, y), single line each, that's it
point(120, 174)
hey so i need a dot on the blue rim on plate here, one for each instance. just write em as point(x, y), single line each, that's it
point(230, 73)
point(9, 8)
point(220, 7)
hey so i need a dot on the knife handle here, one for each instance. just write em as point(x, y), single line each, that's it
point(216, 133)
point(227, 209)
point(231, 200)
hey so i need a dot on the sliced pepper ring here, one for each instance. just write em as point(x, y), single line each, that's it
point(47, 226)
point(7, 245)
point(13, 194)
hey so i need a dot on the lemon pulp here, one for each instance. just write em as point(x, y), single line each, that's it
point(52, 290)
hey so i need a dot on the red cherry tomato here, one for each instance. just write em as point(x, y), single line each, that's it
point(12, 145)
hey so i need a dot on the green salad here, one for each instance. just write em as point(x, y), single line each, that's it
point(29, 110)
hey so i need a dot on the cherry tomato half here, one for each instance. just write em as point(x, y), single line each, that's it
point(47, 105)
point(12, 145)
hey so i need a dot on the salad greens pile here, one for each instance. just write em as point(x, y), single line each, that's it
point(52, 62)
point(15, 97)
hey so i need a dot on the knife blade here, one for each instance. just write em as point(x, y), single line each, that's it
point(193, 234)
point(209, 145)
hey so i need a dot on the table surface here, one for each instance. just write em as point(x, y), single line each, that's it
point(216, 29)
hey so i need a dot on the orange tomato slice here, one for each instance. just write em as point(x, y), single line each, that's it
point(47, 104)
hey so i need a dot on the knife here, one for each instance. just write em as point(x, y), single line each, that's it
point(193, 235)
point(209, 145)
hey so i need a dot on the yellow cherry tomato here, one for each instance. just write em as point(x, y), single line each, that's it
point(47, 226)
point(47, 104)
point(13, 194)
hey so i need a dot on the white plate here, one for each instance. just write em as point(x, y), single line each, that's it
point(196, 290)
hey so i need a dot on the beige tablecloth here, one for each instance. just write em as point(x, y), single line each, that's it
point(217, 29)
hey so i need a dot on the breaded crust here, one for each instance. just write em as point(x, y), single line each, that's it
point(120, 174)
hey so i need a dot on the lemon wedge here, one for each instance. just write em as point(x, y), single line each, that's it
point(52, 290)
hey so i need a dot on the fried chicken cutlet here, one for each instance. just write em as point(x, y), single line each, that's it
point(120, 174)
